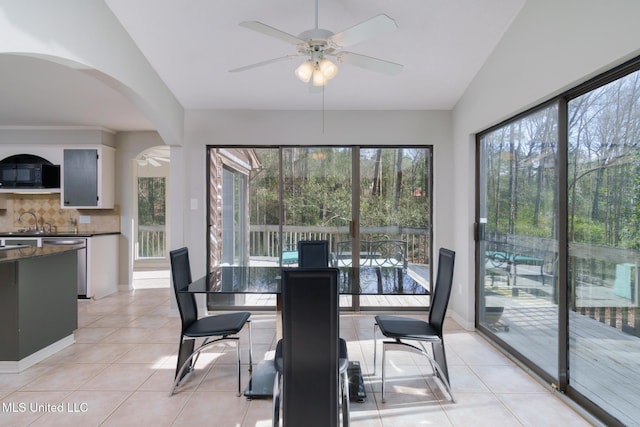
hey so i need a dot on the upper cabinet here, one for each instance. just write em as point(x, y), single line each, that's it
point(88, 178)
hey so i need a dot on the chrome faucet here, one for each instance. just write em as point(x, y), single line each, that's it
point(35, 220)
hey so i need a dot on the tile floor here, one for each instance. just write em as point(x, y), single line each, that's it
point(120, 370)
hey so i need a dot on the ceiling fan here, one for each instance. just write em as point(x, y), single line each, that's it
point(154, 157)
point(317, 44)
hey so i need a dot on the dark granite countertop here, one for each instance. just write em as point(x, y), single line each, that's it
point(19, 234)
point(26, 251)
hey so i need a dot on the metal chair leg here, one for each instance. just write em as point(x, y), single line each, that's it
point(250, 347)
point(375, 346)
point(345, 399)
point(277, 386)
point(239, 369)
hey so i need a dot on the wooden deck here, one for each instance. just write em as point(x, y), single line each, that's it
point(604, 361)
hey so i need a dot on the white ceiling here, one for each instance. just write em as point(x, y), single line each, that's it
point(192, 45)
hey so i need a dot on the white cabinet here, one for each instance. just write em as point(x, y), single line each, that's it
point(88, 178)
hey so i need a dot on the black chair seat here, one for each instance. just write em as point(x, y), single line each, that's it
point(405, 327)
point(222, 324)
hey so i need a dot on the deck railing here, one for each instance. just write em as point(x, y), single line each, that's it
point(265, 239)
point(151, 241)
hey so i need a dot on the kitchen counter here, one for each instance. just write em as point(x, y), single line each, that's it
point(18, 234)
point(38, 304)
point(26, 251)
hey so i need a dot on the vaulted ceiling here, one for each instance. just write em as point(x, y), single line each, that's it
point(193, 44)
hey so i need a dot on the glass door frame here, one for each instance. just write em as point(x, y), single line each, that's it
point(355, 210)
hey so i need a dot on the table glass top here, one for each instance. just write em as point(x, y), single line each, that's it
point(266, 280)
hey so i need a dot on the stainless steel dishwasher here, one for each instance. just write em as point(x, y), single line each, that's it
point(82, 258)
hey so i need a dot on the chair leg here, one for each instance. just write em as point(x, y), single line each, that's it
point(186, 365)
point(439, 357)
point(384, 363)
point(250, 348)
point(345, 399)
point(277, 385)
point(375, 346)
point(239, 368)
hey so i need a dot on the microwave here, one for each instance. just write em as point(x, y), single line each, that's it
point(29, 175)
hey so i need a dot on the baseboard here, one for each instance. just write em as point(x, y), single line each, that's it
point(10, 367)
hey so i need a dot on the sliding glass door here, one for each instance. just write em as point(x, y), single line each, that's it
point(518, 249)
point(558, 242)
point(264, 200)
point(604, 242)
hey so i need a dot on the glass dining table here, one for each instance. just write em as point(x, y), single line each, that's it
point(267, 280)
point(374, 280)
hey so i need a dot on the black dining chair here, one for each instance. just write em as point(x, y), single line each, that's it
point(311, 360)
point(401, 329)
point(313, 253)
point(212, 329)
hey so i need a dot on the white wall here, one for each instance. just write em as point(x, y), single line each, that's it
point(85, 35)
point(551, 46)
point(299, 128)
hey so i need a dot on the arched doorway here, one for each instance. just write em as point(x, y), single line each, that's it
point(151, 218)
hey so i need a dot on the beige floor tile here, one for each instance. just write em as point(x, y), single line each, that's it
point(23, 408)
point(119, 377)
point(479, 410)
point(507, 379)
point(213, 408)
point(147, 408)
point(92, 335)
point(84, 408)
point(65, 377)
point(123, 364)
point(155, 354)
point(100, 353)
point(534, 409)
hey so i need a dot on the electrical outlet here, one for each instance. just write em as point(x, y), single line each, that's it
point(84, 219)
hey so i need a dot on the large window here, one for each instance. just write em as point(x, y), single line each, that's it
point(263, 201)
point(559, 241)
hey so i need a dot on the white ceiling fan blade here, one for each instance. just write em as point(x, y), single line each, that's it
point(260, 64)
point(379, 24)
point(272, 32)
point(153, 162)
point(370, 63)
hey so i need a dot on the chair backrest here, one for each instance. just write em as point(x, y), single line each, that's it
point(310, 349)
point(313, 253)
point(181, 274)
point(442, 291)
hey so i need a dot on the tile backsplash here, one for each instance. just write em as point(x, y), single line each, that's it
point(47, 209)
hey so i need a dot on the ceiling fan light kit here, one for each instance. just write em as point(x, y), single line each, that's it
point(317, 43)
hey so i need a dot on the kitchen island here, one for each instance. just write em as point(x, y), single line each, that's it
point(38, 303)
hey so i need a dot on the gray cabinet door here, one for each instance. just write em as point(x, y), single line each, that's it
point(80, 177)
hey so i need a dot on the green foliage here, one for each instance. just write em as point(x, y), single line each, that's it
point(151, 200)
point(317, 187)
point(603, 169)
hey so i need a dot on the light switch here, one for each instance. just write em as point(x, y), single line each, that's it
point(194, 204)
point(84, 219)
